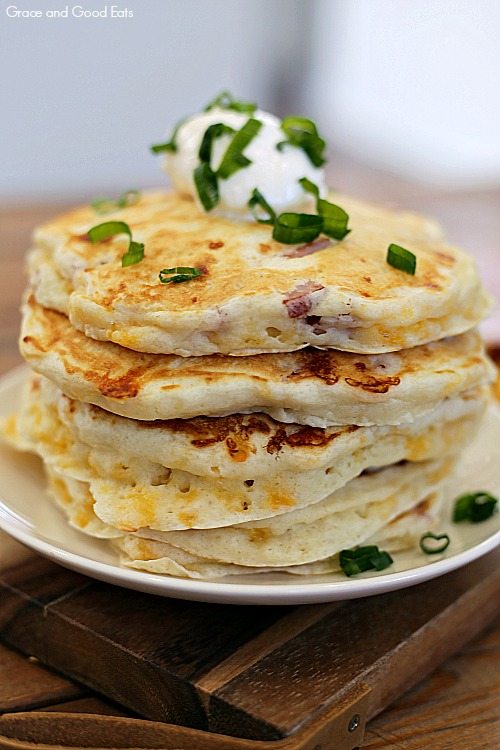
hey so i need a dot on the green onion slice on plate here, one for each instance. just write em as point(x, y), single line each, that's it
point(292, 228)
point(205, 178)
point(474, 507)
point(310, 187)
point(205, 181)
point(361, 559)
point(225, 100)
point(234, 159)
point(257, 201)
point(134, 254)
point(335, 219)
point(434, 544)
point(171, 145)
point(108, 229)
point(211, 133)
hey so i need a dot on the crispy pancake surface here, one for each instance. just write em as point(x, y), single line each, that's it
point(312, 387)
point(146, 480)
point(254, 294)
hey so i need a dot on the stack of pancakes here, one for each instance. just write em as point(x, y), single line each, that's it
point(288, 403)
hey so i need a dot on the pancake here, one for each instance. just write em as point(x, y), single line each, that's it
point(395, 504)
point(346, 519)
point(74, 499)
point(255, 294)
point(256, 447)
point(317, 388)
point(399, 534)
point(402, 533)
point(133, 489)
point(399, 505)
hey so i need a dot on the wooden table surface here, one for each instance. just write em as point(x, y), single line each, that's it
point(458, 706)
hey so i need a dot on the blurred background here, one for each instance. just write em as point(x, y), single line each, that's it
point(406, 92)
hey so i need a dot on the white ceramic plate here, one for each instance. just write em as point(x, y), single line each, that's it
point(27, 515)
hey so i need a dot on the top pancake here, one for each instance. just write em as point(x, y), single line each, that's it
point(255, 295)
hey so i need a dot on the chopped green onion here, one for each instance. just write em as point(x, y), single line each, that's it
point(170, 145)
point(303, 133)
point(108, 205)
point(258, 200)
point(335, 219)
point(211, 133)
point(108, 229)
point(431, 548)
point(178, 274)
point(310, 187)
point(382, 560)
point(225, 101)
point(360, 559)
point(159, 148)
point(233, 159)
point(402, 259)
point(474, 507)
point(135, 250)
point(205, 181)
point(134, 254)
point(292, 228)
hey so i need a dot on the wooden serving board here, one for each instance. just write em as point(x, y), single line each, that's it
point(261, 673)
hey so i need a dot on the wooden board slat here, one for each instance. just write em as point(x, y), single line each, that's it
point(389, 642)
point(255, 672)
point(25, 685)
point(460, 699)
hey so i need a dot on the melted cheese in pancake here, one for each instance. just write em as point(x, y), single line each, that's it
point(140, 483)
point(393, 507)
point(255, 294)
point(375, 500)
point(318, 388)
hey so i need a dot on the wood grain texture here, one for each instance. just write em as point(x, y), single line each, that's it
point(290, 625)
point(31, 730)
point(26, 684)
point(457, 706)
point(89, 705)
point(141, 651)
point(389, 642)
point(211, 666)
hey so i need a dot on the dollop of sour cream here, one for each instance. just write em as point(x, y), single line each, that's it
point(275, 173)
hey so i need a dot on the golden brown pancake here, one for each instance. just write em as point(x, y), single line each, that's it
point(164, 477)
point(368, 505)
point(318, 388)
point(254, 294)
